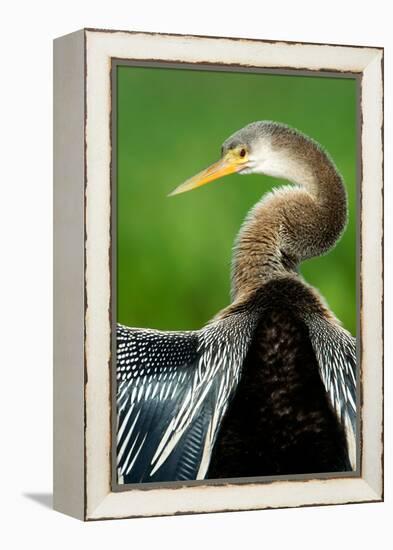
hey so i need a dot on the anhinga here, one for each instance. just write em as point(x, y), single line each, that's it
point(267, 387)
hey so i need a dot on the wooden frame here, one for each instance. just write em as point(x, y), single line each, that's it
point(82, 241)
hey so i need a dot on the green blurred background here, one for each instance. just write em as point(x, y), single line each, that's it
point(174, 254)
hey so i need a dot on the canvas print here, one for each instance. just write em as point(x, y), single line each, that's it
point(235, 288)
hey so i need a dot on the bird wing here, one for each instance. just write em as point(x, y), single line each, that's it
point(335, 351)
point(173, 389)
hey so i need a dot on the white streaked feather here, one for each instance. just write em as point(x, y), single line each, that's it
point(125, 422)
point(335, 351)
point(129, 434)
point(136, 455)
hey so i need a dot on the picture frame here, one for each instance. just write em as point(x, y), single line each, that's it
point(84, 188)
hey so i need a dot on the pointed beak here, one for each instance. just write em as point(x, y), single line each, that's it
point(225, 166)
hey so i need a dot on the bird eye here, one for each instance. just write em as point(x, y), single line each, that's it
point(242, 153)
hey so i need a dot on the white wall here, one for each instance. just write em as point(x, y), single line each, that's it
point(27, 29)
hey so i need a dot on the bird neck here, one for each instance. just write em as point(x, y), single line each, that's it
point(292, 223)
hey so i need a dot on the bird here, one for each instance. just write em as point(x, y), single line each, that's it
point(268, 386)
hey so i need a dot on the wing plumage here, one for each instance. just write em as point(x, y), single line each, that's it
point(173, 389)
point(335, 350)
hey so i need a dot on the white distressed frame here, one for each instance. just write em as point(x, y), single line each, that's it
point(95, 500)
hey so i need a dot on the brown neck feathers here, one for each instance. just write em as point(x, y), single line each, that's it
point(294, 222)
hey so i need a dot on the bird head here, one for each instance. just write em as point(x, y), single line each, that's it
point(249, 150)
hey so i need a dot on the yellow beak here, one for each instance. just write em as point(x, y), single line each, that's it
point(223, 167)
